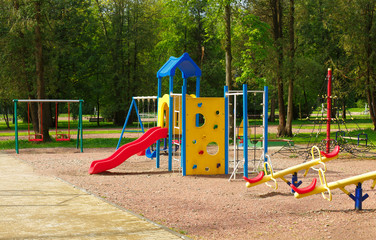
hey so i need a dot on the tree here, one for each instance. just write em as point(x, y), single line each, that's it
point(39, 66)
point(277, 14)
point(291, 75)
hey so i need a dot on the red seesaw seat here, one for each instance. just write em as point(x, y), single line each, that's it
point(307, 189)
point(255, 179)
point(332, 153)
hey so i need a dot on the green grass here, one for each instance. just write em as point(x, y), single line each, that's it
point(303, 138)
point(359, 121)
point(63, 124)
point(87, 143)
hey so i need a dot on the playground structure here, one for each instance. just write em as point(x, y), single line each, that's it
point(59, 136)
point(150, 115)
point(262, 178)
point(242, 134)
point(312, 189)
point(341, 184)
point(323, 156)
point(356, 143)
point(197, 127)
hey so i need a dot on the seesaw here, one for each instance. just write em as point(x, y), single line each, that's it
point(262, 178)
point(341, 184)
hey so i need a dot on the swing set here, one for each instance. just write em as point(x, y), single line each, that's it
point(146, 111)
point(59, 135)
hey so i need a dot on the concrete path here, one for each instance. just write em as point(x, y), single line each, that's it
point(39, 207)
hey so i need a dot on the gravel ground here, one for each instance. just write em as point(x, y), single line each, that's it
point(211, 207)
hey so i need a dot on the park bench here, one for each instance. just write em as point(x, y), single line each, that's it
point(357, 138)
point(96, 119)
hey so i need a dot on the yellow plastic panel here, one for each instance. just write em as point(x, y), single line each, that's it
point(163, 104)
point(198, 160)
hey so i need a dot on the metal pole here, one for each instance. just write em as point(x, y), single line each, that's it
point(170, 123)
point(81, 126)
point(16, 125)
point(329, 110)
point(157, 157)
point(48, 100)
point(265, 123)
point(139, 117)
point(125, 124)
point(245, 130)
point(184, 135)
point(78, 131)
point(226, 128)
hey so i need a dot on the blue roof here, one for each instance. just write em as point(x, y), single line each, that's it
point(185, 64)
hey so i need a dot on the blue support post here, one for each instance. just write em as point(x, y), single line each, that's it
point(197, 87)
point(245, 129)
point(294, 181)
point(366, 138)
point(265, 122)
point(170, 123)
point(133, 103)
point(226, 128)
point(197, 96)
point(358, 198)
point(125, 124)
point(183, 126)
point(159, 87)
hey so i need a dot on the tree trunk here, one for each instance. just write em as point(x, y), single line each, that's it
point(41, 92)
point(277, 34)
point(98, 114)
point(290, 107)
point(228, 63)
point(5, 114)
point(33, 111)
point(272, 108)
point(369, 11)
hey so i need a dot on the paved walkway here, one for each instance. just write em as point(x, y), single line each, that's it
point(39, 207)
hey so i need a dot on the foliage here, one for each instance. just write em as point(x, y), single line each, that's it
point(106, 51)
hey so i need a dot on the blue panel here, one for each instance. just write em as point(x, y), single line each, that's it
point(185, 63)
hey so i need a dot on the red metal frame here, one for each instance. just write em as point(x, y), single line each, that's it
point(329, 110)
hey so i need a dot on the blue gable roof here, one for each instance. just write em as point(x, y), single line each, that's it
point(185, 64)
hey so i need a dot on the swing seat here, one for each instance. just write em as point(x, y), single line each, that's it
point(36, 139)
point(150, 154)
point(62, 137)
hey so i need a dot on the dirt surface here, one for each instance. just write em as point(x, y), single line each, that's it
point(211, 207)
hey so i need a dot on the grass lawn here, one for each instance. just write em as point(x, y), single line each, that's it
point(356, 125)
point(87, 143)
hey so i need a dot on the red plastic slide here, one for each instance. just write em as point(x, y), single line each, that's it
point(128, 150)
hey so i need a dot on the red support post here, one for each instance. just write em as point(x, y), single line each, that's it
point(329, 110)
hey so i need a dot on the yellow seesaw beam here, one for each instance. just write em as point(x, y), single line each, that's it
point(293, 169)
point(341, 184)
